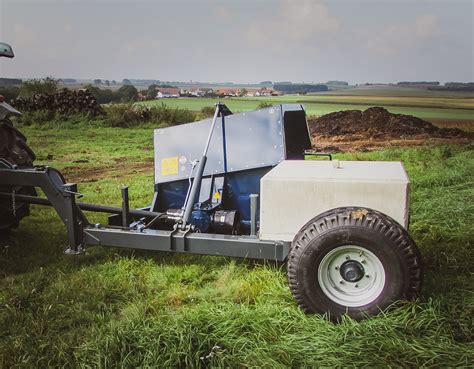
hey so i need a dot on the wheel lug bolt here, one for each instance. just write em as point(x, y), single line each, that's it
point(367, 276)
point(356, 285)
point(362, 261)
point(336, 267)
point(347, 257)
point(341, 281)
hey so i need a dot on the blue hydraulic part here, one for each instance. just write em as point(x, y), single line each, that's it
point(243, 148)
point(201, 220)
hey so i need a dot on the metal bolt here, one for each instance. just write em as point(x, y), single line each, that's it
point(362, 261)
point(347, 257)
point(336, 267)
point(367, 276)
point(356, 285)
point(341, 281)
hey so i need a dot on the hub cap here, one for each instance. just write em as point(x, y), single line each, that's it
point(351, 276)
point(352, 271)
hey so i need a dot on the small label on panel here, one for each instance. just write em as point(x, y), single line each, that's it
point(169, 166)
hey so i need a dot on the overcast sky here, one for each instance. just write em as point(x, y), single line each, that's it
point(241, 41)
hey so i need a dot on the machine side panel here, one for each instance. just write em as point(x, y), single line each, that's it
point(177, 147)
point(252, 140)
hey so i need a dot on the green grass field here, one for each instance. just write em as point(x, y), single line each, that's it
point(434, 107)
point(115, 308)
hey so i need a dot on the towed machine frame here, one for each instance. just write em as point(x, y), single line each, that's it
point(204, 207)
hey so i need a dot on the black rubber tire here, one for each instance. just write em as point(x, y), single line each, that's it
point(366, 228)
point(14, 150)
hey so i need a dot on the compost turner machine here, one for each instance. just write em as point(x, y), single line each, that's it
point(238, 185)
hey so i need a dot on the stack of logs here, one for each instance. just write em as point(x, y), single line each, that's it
point(65, 102)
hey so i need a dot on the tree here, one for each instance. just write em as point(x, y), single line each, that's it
point(151, 92)
point(107, 82)
point(127, 93)
point(97, 81)
point(103, 96)
point(9, 92)
point(243, 92)
point(126, 82)
point(32, 87)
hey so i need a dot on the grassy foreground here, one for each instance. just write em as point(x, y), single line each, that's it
point(123, 308)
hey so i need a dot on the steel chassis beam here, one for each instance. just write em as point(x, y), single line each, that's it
point(62, 196)
point(188, 242)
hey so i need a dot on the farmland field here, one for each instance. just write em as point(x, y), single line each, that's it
point(123, 308)
point(426, 104)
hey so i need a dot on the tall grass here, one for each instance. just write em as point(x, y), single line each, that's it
point(122, 308)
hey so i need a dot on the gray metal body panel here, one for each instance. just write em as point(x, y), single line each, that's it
point(241, 141)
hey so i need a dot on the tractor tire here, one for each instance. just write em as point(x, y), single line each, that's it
point(353, 261)
point(15, 151)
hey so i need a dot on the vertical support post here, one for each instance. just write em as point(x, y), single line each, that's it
point(253, 213)
point(72, 220)
point(224, 144)
point(125, 207)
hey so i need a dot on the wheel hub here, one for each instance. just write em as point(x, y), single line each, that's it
point(351, 275)
point(352, 271)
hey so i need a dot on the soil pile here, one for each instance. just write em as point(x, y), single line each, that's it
point(375, 128)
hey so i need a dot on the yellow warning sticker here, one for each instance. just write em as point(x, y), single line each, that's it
point(169, 166)
point(217, 196)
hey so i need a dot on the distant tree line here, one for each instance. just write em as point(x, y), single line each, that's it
point(126, 93)
point(455, 87)
point(337, 83)
point(29, 88)
point(418, 83)
point(299, 88)
point(10, 81)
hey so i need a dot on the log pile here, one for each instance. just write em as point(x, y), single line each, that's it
point(64, 102)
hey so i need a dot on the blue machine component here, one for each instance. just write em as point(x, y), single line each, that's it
point(243, 148)
point(201, 220)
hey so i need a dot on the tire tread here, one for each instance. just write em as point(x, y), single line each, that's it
point(354, 217)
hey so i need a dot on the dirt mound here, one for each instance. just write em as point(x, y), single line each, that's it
point(374, 128)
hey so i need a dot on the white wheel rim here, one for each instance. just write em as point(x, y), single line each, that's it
point(339, 288)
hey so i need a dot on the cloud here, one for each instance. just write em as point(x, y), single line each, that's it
point(222, 13)
point(403, 37)
point(23, 36)
point(294, 21)
point(426, 26)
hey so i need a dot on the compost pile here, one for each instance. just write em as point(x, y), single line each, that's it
point(65, 102)
point(375, 128)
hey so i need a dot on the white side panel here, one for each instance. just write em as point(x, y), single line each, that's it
point(294, 192)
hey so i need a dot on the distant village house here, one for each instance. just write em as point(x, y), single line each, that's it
point(163, 93)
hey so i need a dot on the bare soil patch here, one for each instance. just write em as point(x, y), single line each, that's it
point(376, 128)
point(121, 167)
